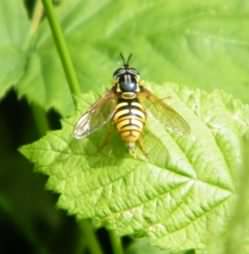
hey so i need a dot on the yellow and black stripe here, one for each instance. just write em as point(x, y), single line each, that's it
point(129, 118)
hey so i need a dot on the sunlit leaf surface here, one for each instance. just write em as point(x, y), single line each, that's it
point(177, 199)
point(14, 34)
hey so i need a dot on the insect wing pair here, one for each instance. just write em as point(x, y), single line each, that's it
point(102, 112)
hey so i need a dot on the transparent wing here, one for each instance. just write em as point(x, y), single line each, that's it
point(166, 114)
point(97, 116)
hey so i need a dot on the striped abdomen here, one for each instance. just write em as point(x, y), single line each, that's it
point(129, 118)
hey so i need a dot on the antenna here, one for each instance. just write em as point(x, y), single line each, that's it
point(126, 62)
point(128, 59)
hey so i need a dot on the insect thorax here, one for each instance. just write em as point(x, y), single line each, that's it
point(128, 95)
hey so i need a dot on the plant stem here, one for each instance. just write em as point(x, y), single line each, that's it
point(62, 49)
point(74, 86)
point(90, 237)
point(116, 243)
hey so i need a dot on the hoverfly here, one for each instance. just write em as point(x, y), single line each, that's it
point(126, 105)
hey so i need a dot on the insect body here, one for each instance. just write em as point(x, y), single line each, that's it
point(126, 104)
point(129, 115)
point(129, 118)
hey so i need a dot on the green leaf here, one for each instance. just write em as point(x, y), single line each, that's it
point(143, 246)
point(14, 33)
point(236, 237)
point(202, 44)
point(178, 197)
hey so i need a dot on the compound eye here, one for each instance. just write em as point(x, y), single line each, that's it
point(128, 87)
point(128, 83)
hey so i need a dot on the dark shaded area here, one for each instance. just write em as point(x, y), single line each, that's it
point(127, 241)
point(29, 219)
point(54, 119)
point(29, 6)
point(104, 240)
point(17, 121)
point(12, 241)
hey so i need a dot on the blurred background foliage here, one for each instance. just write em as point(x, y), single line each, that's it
point(194, 43)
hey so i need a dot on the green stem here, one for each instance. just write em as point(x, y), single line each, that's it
point(62, 49)
point(116, 243)
point(90, 237)
point(74, 86)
